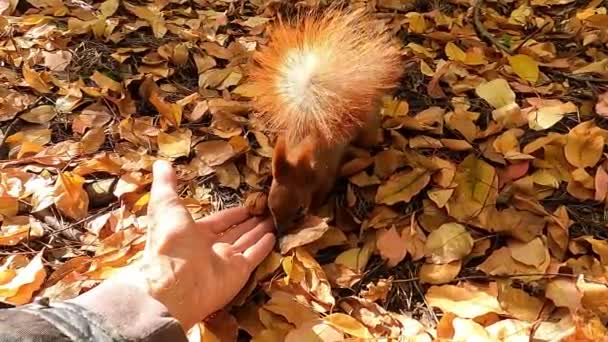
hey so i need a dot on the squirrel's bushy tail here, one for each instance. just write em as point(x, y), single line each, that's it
point(324, 74)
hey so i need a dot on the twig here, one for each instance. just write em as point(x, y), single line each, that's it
point(530, 36)
point(481, 30)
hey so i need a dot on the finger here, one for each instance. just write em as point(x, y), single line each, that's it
point(256, 253)
point(222, 220)
point(249, 238)
point(164, 183)
point(232, 234)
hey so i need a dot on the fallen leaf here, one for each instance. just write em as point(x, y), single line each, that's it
point(465, 302)
point(70, 197)
point(564, 293)
point(450, 242)
point(439, 273)
point(391, 246)
point(601, 107)
point(175, 144)
point(315, 331)
point(545, 113)
point(26, 280)
point(402, 186)
point(348, 325)
point(310, 230)
point(584, 145)
point(475, 189)
point(525, 67)
point(18, 228)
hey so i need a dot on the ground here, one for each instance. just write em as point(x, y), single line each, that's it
point(481, 213)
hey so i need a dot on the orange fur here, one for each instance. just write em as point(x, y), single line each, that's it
point(324, 75)
point(320, 82)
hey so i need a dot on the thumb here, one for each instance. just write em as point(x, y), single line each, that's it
point(164, 183)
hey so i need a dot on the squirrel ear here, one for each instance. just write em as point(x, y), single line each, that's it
point(280, 164)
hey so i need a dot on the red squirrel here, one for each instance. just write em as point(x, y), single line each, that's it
point(320, 80)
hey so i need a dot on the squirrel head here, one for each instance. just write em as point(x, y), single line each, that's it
point(291, 191)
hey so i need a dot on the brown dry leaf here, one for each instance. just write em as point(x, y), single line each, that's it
point(392, 246)
point(378, 291)
point(152, 15)
point(518, 303)
point(564, 293)
point(402, 186)
point(558, 232)
point(175, 144)
point(355, 258)
point(439, 273)
point(228, 175)
point(40, 114)
point(465, 302)
point(450, 242)
point(70, 197)
point(215, 152)
point(170, 112)
point(476, 182)
point(311, 229)
point(18, 228)
point(584, 145)
point(315, 331)
point(35, 80)
point(501, 262)
point(348, 324)
point(468, 330)
point(290, 306)
point(25, 281)
point(105, 82)
point(222, 326)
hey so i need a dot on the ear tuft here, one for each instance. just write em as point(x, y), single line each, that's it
point(280, 164)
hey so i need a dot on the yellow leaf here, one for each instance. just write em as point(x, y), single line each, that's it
point(476, 182)
point(34, 80)
point(355, 258)
point(291, 307)
point(417, 22)
point(497, 93)
point(439, 274)
point(469, 330)
point(584, 145)
point(41, 114)
point(105, 82)
point(176, 144)
point(465, 302)
point(519, 303)
point(311, 229)
point(18, 228)
point(525, 67)
point(454, 52)
point(348, 325)
point(564, 293)
point(153, 16)
point(315, 331)
point(19, 289)
point(402, 186)
point(545, 113)
point(70, 197)
point(108, 7)
point(448, 243)
point(170, 112)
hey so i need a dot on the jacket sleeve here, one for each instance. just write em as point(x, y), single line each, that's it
point(110, 312)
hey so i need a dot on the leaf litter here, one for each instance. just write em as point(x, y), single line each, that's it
point(482, 214)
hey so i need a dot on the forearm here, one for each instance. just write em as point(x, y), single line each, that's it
point(111, 312)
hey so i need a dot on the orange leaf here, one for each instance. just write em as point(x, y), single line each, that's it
point(70, 197)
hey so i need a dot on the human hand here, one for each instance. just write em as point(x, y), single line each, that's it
point(196, 267)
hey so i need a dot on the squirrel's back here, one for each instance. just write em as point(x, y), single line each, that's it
point(324, 74)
